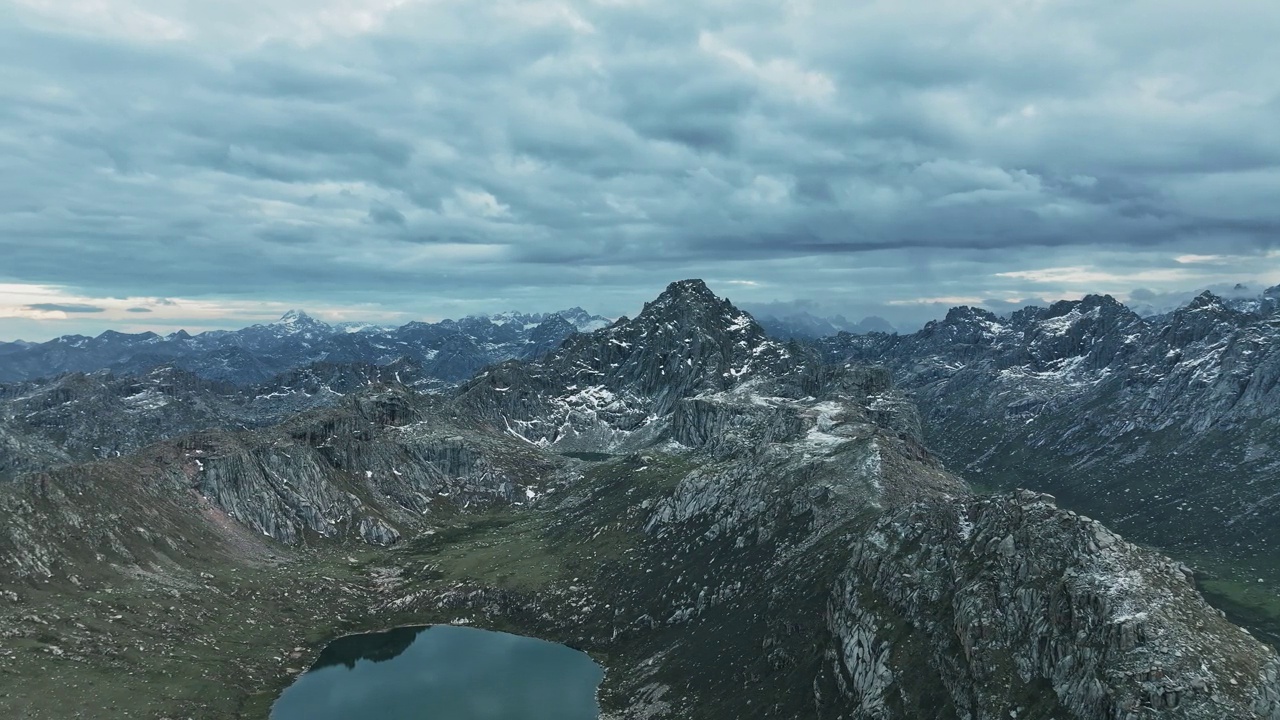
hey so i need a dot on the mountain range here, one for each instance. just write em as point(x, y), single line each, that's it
point(1164, 427)
point(793, 323)
point(734, 525)
point(450, 350)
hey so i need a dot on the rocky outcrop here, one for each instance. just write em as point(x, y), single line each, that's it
point(1021, 609)
point(733, 424)
point(362, 469)
point(77, 417)
point(286, 493)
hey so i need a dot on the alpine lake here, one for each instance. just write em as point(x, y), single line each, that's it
point(444, 672)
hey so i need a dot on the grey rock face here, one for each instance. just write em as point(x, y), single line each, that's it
point(1015, 604)
point(357, 470)
point(1163, 426)
point(362, 469)
point(76, 417)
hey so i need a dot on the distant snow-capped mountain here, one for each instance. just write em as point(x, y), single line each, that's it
point(450, 350)
point(800, 324)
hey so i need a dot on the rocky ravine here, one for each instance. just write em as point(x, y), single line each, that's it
point(754, 534)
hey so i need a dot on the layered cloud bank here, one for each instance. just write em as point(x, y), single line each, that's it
point(446, 157)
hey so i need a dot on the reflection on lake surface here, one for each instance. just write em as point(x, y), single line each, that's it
point(444, 673)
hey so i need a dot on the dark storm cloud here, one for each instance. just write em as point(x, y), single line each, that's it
point(138, 310)
point(66, 308)
point(359, 152)
point(686, 100)
point(276, 78)
point(384, 215)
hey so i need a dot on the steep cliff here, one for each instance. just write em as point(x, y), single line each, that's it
point(1020, 609)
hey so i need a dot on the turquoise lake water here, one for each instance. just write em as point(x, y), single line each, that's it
point(444, 672)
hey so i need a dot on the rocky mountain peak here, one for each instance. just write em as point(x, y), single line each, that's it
point(297, 317)
point(554, 325)
point(1207, 318)
point(1106, 302)
point(73, 340)
point(115, 335)
point(686, 337)
point(689, 305)
point(1092, 315)
point(685, 290)
point(1208, 308)
point(963, 325)
point(1206, 300)
point(298, 322)
point(968, 314)
point(685, 342)
point(582, 320)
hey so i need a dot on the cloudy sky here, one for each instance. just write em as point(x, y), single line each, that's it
point(171, 163)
